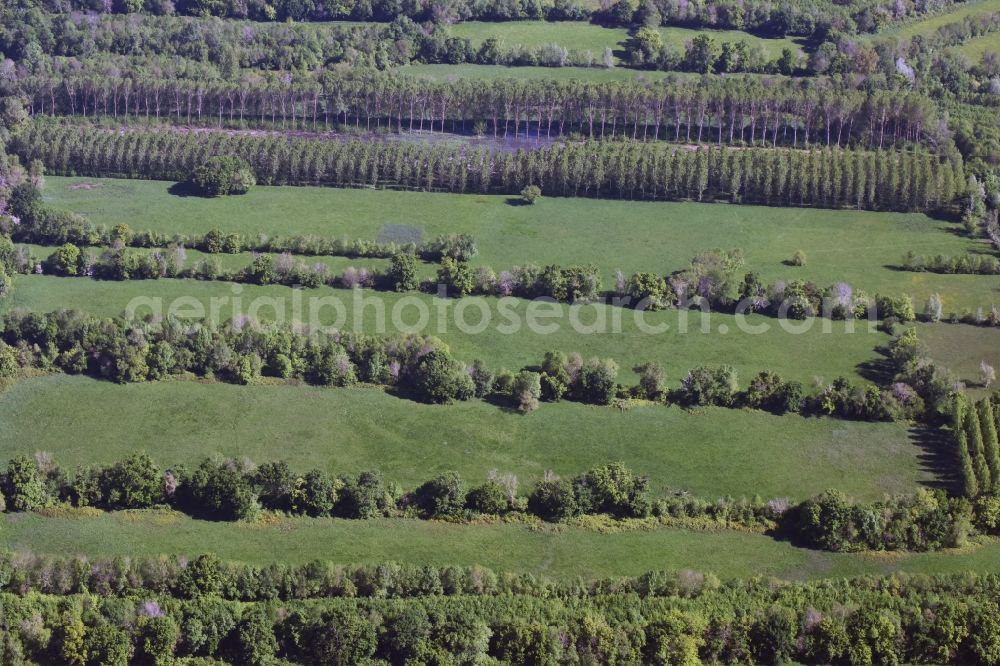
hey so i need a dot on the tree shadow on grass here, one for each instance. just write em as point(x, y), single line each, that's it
point(184, 189)
point(516, 201)
point(936, 456)
point(878, 370)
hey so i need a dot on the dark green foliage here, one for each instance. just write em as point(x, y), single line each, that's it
point(23, 486)
point(134, 483)
point(488, 498)
point(553, 499)
point(924, 521)
point(220, 491)
point(220, 176)
point(440, 497)
point(440, 378)
point(402, 275)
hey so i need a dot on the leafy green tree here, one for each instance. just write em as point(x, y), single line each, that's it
point(221, 176)
point(596, 382)
point(133, 483)
point(489, 498)
point(65, 260)
point(456, 276)
point(674, 638)
point(526, 391)
point(648, 289)
point(438, 377)
point(24, 486)
point(553, 499)
point(221, 491)
point(440, 497)
point(255, 641)
point(402, 273)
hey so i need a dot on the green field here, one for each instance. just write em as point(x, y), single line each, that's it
point(858, 247)
point(489, 72)
point(961, 349)
point(561, 553)
point(710, 452)
point(975, 48)
point(580, 36)
point(928, 25)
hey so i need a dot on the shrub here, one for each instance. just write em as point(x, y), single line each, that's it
point(530, 194)
point(553, 499)
point(596, 382)
point(440, 378)
point(710, 386)
point(526, 391)
point(440, 497)
point(799, 258)
point(220, 491)
point(402, 273)
point(648, 289)
point(489, 498)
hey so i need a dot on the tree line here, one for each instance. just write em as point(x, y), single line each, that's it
point(806, 17)
point(230, 490)
point(886, 180)
point(424, 369)
point(869, 620)
point(744, 111)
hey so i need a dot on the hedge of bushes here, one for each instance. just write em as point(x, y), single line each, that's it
point(233, 490)
point(244, 352)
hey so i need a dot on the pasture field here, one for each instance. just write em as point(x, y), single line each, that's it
point(580, 36)
point(974, 49)
point(826, 349)
point(710, 452)
point(439, 72)
point(554, 552)
point(859, 247)
point(929, 24)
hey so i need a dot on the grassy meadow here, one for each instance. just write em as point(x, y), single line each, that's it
point(711, 452)
point(553, 552)
point(859, 247)
point(928, 25)
point(580, 36)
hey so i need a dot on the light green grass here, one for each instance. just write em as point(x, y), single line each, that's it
point(975, 48)
point(961, 349)
point(826, 349)
point(580, 36)
point(928, 25)
point(489, 72)
point(553, 553)
point(710, 452)
point(841, 245)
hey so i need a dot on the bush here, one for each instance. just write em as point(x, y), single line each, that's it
point(649, 289)
point(440, 378)
point(402, 273)
point(220, 491)
point(440, 497)
point(553, 499)
point(526, 391)
point(221, 176)
point(710, 386)
point(489, 498)
point(530, 194)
